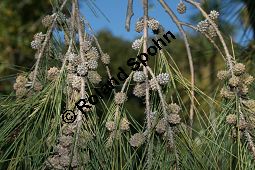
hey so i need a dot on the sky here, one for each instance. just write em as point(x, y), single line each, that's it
point(115, 12)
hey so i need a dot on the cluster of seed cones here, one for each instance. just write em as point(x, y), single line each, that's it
point(153, 24)
point(112, 127)
point(238, 83)
point(22, 86)
point(64, 155)
point(206, 27)
point(139, 78)
point(242, 122)
point(172, 120)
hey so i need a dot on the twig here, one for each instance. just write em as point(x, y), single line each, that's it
point(70, 45)
point(116, 115)
point(247, 134)
point(177, 22)
point(129, 15)
point(210, 39)
point(145, 39)
point(45, 42)
point(100, 49)
point(228, 56)
point(163, 103)
point(147, 93)
point(126, 81)
point(79, 116)
point(250, 143)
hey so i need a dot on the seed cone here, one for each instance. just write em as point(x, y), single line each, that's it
point(181, 8)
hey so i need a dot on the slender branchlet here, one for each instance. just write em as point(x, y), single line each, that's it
point(81, 41)
point(246, 133)
point(100, 49)
point(147, 93)
point(163, 104)
point(129, 15)
point(45, 42)
point(207, 36)
point(190, 59)
point(72, 34)
point(228, 56)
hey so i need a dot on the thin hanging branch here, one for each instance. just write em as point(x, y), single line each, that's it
point(177, 22)
point(169, 129)
point(72, 34)
point(45, 42)
point(129, 15)
point(228, 56)
point(81, 41)
point(147, 88)
point(250, 142)
point(208, 37)
point(145, 39)
point(247, 134)
point(100, 49)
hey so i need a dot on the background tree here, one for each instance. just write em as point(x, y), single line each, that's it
point(18, 22)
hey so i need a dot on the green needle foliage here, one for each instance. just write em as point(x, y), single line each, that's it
point(183, 127)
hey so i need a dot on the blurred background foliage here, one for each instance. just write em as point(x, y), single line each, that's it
point(19, 21)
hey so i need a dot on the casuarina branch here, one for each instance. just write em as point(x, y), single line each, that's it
point(69, 116)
